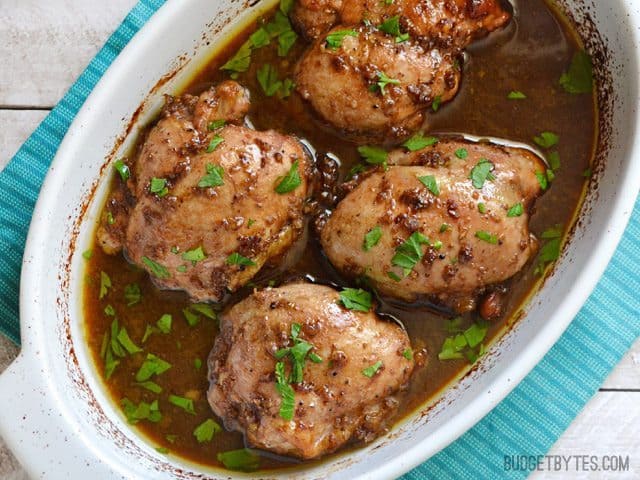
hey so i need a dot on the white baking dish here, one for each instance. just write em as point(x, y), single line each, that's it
point(56, 415)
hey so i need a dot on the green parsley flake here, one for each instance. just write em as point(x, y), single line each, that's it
point(515, 211)
point(185, 404)
point(268, 79)
point(197, 363)
point(213, 144)
point(122, 169)
point(374, 155)
point(444, 227)
point(371, 238)
point(370, 371)
point(391, 26)
point(461, 153)
point(164, 323)
point(286, 41)
point(151, 386)
point(152, 366)
point(216, 124)
point(287, 395)
point(482, 208)
point(383, 81)
point(516, 95)
point(204, 309)
point(394, 276)
point(435, 106)
point(105, 285)
point(206, 430)
point(132, 294)
point(554, 160)
point(542, 180)
point(419, 141)
point(546, 139)
point(237, 259)
point(487, 237)
point(142, 411)
point(408, 354)
point(410, 252)
point(240, 61)
point(430, 182)
point(159, 186)
point(127, 343)
point(481, 173)
point(335, 38)
point(579, 78)
point(110, 311)
point(191, 318)
point(356, 299)
point(290, 181)
point(260, 38)
point(213, 178)
point(194, 256)
point(244, 460)
point(157, 270)
point(87, 254)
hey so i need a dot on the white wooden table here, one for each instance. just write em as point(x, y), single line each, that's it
point(44, 46)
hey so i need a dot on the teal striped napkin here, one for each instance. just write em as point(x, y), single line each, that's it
point(527, 422)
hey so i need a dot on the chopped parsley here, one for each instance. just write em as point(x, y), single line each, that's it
point(260, 38)
point(394, 276)
point(240, 61)
point(391, 26)
point(550, 251)
point(132, 294)
point(290, 181)
point(152, 366)
point(431, 183)
point(213, 178)
point(164, 323)
point(482, 208)
point(142, 411)
point(554, 160)
point(419, 141)
point(244, 460)
point(335, 38)
point(461, 153)
point(286, 41)
point(122, 169)
point(543, 180)
point(157, 270)
point(268, 79)
point(197, 363)
point(467, 344)
point(371, 238)
point(191, 318)
point(87, 254)
point(370, 371)
point(487, 237)
point(105, 285)
point(546, 139)
point(579, 78)
point(213, 144)
point(109, 311)
point(204, 309)
point(237, 259)
point(151, 386)
point(206, 430)
point(444, 227)
point(515, 211)
point(374, 155)
point(383, 81)
point(159, 186)
point(435, 106)
point(216, 124)
point(516, 95)
point(481, 173)
point(287, 395)
point(185, 404)
point(356, 299)
point(127, 343)
point(410, 252)
point(408, 354)
point(194, 256)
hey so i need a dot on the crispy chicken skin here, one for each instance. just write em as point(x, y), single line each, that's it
point(335, 402)
point(244, 215)
point(450, 23)
point(467, 250)
point(342, 84)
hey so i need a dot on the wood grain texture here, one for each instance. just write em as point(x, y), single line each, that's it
point(44, 46)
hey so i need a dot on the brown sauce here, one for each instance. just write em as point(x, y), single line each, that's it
point(529, 56)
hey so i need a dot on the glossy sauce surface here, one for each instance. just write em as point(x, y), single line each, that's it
point(528, 56)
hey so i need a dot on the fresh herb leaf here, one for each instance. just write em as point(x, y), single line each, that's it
point(142, 411)
point(151, 386)
point(431, 183)
point(287, 395)
point(260, 38)
point(132, 294)
point(105, 285)
point(371, 238)
point(587, 173)
point(87, 254)
point(127, 343)
point(444, 227)
point(151, 366)
point(435, 106)
point(384, 80)
point(394, 276)
point(419, 141)
point(579, 78)
point(454, 325)
point(237, 259)
point(110, 219)
point(159, 186)
point(335, 38)
point(147, 333)
point(546, 139)
point(374, 155)
point(110, 364)
point(213, 178)
point(287, 88)
point(481, 173)
point(191, 318)
point(476, 333)
point(515, 211)
point(554, 160)
point(482, 208)
point(240, 61)
point(487, 237)
point(437, 245)
point(268, 79)
point(516, 95)
point(122, 169)
point(286, 41)
point(453, 347)
point(391, 26)
point(185, 404)
point(315, 358)
point(216, 124)
point(408, 354)
point(286, 6)
point(197, 363)
point(550, 175)
point(157, 270)
point(164, 323)
point(206, 430)
point(110, 311)
point(244, 460)
point(290, 181)
point(204, 309)
point(356, 299)
point(542, 180)
point(196, 255)
point(461, 153)
point(370, 371)
point(213, 144)
point(410, 252)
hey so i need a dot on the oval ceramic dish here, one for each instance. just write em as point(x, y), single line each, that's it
point(57, 416)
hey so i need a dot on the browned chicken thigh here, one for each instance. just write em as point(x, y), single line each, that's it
point(209, 203)
point(351, 366)
point(371, 86)
point(450, 23)
point(444, 221)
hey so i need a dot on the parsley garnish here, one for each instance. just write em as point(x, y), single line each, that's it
point(516, 210)
point(392, 27)
point(164, 323)
point(550, 251)
point(152, 366)
point(335, 38)
point(151, 386)
point(122, 169)
point(240, 61)
point(206, 430)
point(213, 144)
point(216, 124)
point(579, 78)
point(105, 285)
point(435, 106)
point(213, 178)
point(127, 343)
point(464, 344)
point(109, 311)
point(431, 183)
point(196, 255)
point(356, 299)
point(244, 460)
point(260, 38)
point(237, 259)
point(286, 40)
point(87, 254)
point(482, 208)
point(197, 363)
point(410, 252)
point(290, 181)
point(419, 141)
point(542, 180)
point(268, 79)
point(546, 139)
point(369, 372)
point(383, 81)
point(554, 160)
point(157, 270)
point(159, 186)
point(374, 155)
point(287, 395)
point(408, 354)
point(481, 173)
point(461, 153)
point(132, 294)
point(371, 238)
point(142, 411)
point(185, 404)
point(444, 227)
point(516, 95)
point(487, 237)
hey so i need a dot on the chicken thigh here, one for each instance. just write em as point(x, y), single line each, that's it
point(209, 203)
point(443, 222)
point(350, 367)
point(372, 87)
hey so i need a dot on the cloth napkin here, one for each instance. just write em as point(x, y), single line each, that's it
point(528, 421)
